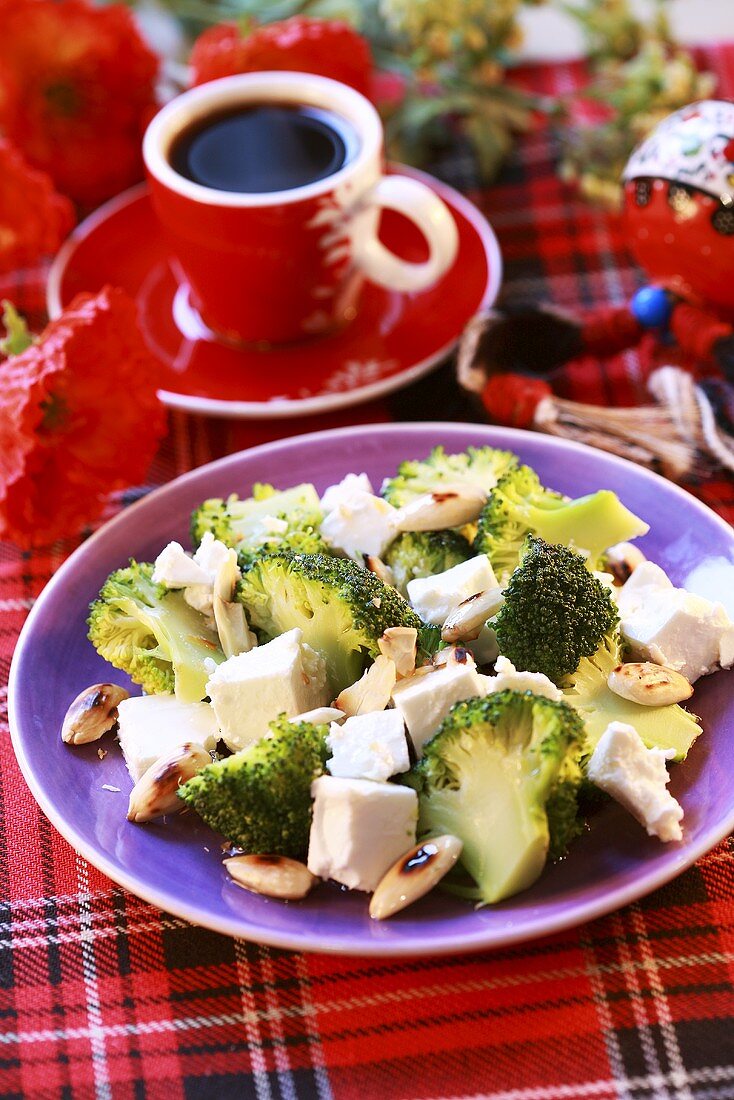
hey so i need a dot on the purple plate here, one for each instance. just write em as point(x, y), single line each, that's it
point(176, 866)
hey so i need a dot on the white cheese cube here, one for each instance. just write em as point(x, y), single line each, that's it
point(211, 554)
point(369, 746)
point(360, 524)
point(343, 490)
point(251, 689)
point(152, 726)
point(637, 778)
point(434, 598)
point(175, 569)
point(507, 678)
point(425, 700)
point(359, 829)
point(673, 627)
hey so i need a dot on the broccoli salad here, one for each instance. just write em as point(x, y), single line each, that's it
point(431, 683)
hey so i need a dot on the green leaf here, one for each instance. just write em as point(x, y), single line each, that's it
point(17, 337)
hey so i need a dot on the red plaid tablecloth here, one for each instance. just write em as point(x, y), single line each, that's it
point(103, 996)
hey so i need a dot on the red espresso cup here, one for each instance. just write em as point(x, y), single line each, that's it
point(279, 266)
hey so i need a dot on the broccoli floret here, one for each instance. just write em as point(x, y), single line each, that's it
point(425, 553)
point(343, 610)
point(300, 540)
point(260, 798)
point(489, 776)
point(554, 612)
point(248, 524)
point(151, 633)
point(519, 505)
point(477, 466)
point(669, 727)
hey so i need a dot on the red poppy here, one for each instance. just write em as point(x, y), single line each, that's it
point(76, 92)
point(79, 418)
point(34, 218)
point(326, 47)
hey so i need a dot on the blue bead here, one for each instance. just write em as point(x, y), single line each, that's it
point(652, 307)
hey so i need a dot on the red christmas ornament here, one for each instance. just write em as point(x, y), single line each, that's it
point(679, 219)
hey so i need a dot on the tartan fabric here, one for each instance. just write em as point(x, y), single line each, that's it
point(103, 996)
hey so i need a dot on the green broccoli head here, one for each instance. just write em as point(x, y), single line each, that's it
point(425, 553)
point(151, 633)
point(554, 612)
point(268, 516)
point(260, 798)
point(586, 689)
point(298, 540)
point(519, 505)
point(477, 466)
point(492, 775)
point(343, 610)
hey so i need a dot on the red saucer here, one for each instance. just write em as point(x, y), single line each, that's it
point(394, 340)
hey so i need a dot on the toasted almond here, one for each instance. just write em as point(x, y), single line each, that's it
point(466, 622)
point(371, 692)
point(400, 644)
point(156, 792)
point(622, 560)
point(649, 684)
point(449, 507)
point(377, 566)
point(273, 876)
point(93, 712)
point(414, 875)
point(230, 617)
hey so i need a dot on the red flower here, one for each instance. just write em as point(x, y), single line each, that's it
point(76, 92)
point(34, 219)
point(79, 418)
point(323, 46)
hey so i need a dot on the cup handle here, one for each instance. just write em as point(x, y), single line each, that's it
point(427, 212)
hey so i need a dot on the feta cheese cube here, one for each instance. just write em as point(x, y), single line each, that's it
point(359, 829)
point(211, 554)
point(507, 678)
point(175, 569)
point(434, 598)
point(369, 746)
point(152, 726)
point(360, 524)
point(343, 490)
point(673, 627)
point(637, 778)
point(251, 689)
point(425, 700)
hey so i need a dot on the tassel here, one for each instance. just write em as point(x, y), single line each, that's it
point(679, 436)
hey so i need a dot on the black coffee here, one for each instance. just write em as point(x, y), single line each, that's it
point(263, 147)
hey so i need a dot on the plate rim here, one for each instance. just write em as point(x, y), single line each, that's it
point(424, 943)
point(282, 409)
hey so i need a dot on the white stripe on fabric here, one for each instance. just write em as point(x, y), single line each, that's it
point(91, 987)
point(313, 1033)
point(660, 1000)
point(251, 1019)
point(275, 1016)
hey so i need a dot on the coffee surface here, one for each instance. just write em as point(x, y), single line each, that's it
point(262, 148)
